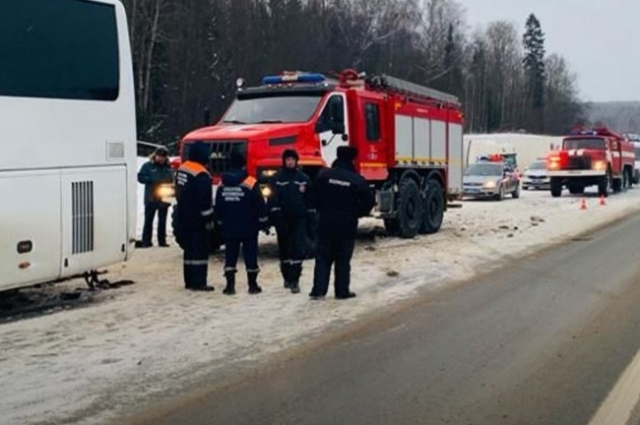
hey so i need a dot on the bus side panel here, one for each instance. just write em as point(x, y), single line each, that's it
point(29, 222)
point(94, 218)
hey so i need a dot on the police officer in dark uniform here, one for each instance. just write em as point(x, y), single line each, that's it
point(194, 216)
point(341, 196)
point(289, 208)
point(241, 212)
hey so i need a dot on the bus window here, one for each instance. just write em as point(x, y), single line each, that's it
point(59, 49)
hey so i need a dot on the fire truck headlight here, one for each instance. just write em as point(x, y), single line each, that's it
point(165, 191)
point(266, 191)
point(553, 164)
point(599, 165)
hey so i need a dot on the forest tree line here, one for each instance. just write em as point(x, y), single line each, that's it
point(188, 55)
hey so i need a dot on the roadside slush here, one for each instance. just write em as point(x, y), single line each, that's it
point(153, 338)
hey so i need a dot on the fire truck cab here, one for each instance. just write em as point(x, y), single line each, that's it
point(409, 138)
point(591, 157)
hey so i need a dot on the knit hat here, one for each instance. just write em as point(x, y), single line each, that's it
point(290, 153)
point(162, 151)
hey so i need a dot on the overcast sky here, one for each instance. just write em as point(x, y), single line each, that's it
point(599, 38)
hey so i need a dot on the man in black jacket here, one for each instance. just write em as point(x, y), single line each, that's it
point(152, 174)
point(241, 212)
point(341, 196)
point(194, 216)
point(289, 207)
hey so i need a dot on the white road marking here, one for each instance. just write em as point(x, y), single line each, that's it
point(623, 398)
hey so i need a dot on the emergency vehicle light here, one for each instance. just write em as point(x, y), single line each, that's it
point(296, 78)
point(584, 133)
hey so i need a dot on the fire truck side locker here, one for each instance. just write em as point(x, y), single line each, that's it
point(425, 166)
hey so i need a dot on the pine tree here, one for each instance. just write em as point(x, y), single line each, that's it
point(452, 65)
point(534, 66)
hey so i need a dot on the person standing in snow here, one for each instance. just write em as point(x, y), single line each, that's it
point(194, 216)
point(289, 208)
point(241, 213)
point(152, 174)
point(341, 197)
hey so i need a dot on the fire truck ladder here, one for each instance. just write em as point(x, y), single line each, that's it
point(411, 89)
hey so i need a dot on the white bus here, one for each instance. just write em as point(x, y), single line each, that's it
point(67, 137)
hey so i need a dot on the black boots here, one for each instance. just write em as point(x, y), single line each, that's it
point(296, 272)
point(291, 275)
point(230, 289)
point(285, 269)
point(252, 278)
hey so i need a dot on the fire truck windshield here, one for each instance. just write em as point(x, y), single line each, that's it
point(272, 109)
point(593, 143)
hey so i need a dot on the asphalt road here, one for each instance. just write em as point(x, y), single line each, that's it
point(541, 342)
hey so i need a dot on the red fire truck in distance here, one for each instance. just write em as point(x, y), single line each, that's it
point(591, 157)
point(409, 139)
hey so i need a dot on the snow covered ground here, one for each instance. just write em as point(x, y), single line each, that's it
point(151, 339)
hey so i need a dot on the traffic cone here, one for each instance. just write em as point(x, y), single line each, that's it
point(602, 201)
point(583, 204)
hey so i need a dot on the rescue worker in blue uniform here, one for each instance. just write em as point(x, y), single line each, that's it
point(341, 197)
point(290, 207)
point(194, 216)
point(241, 212)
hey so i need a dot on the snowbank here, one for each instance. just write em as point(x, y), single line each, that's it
point(153, 338)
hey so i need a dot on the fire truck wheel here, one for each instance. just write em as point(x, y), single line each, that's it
point(409, 209)
point(556, 187)
point(626, 179)
point(433, 211)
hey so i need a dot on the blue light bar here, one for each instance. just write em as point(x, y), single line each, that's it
point(584, 133)
point(296, 78)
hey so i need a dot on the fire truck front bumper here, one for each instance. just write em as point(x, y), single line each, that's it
point(576, 173)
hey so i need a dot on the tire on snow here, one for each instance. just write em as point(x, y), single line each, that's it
point(432, 208)
point(556, 187)
point(410, 208)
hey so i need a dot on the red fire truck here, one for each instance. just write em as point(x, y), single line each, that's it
point(409, 138)
point(591, 157)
